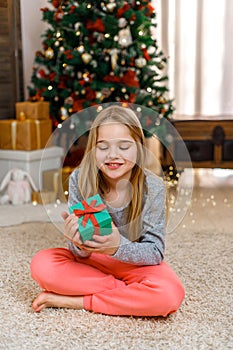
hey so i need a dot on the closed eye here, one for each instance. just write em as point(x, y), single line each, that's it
point(124, 148)
point(102, 147)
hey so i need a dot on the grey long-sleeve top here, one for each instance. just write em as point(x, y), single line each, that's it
point(149, 249)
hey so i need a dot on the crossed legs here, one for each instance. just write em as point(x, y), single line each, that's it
point(103, 284)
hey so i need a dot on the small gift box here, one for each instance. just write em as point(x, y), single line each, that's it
point(93, 218)
point(32, 110)
point(43, 197)
point(57, 180)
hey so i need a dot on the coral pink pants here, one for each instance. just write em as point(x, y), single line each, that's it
point(108, 285)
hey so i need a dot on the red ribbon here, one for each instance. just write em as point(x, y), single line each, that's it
point(88, 212)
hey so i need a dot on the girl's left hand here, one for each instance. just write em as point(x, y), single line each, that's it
point(104, 244)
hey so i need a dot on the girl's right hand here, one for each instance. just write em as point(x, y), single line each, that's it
point(71, 228)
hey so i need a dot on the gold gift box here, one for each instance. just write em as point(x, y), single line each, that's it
point(57, 180)
point(44, 197)
point(24, 135)
point(32, 110)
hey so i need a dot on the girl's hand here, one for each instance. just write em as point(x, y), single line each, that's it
point(104, 244)
point(71, 229)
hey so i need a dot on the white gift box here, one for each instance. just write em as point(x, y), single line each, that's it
point(34, 162)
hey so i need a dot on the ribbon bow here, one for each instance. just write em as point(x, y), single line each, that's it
point(88, 211)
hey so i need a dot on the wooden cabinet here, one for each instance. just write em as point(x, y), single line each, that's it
point(207, 140)
point(11, 72)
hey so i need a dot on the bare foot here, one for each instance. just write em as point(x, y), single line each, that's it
point(47, 299)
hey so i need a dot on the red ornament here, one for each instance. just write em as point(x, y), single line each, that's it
point(78, 105)
point(150, 10)
point(68, 54)
point(97, 26)
point(132, 62)
point(122, 10)
point(130, 79)
point(41, 72)
point(146, 55)
point(52, 76)
point(132, 98)
point(56, 3)
point(38, 96)
point(58, 15)
point(112, 79)
point(44, 9)
point(62, 83)
point(72, 9)
point(90, 94)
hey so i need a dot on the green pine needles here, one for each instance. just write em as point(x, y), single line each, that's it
point(98, 52)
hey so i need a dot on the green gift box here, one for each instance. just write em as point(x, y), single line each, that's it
point(93, 218)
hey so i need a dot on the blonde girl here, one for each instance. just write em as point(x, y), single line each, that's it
point(123, 273)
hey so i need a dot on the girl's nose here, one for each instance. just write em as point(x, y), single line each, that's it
point(112, 152)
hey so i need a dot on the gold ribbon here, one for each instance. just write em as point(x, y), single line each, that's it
point(13, 134)
point(55, 181)
point(37, 122)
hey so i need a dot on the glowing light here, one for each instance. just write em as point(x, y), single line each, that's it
point(99, 108)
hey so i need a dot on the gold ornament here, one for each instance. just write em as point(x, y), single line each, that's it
point(86, 57)
point(114, 58)
point(80, 48)
point(49, 53)
point(111, 6)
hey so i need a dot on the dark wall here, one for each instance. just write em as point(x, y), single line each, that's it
point(11, 71)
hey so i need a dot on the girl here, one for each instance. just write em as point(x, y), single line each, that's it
point(122, 273)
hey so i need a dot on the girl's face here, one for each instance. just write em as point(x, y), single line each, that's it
point(116, 151)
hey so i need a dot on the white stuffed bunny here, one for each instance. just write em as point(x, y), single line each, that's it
point(18, 185)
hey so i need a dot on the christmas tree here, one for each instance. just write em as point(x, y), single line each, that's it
point(97, 52)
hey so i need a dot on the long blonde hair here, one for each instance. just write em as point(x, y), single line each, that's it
point(90, 177)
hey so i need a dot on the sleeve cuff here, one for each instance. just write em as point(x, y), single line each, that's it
point(78, 252)
point(123, 242)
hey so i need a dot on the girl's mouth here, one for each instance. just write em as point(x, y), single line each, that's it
point(113, 166)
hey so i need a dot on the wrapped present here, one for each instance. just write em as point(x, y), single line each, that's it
point(24, 135)
point(57, 180)
point(93, 218)
point(66, 172)
point(32, 110)
point(43, 197)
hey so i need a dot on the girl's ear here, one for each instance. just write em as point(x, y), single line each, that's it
point(28, 176)
point(6, 179)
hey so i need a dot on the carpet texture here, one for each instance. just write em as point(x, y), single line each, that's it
point(200, 251)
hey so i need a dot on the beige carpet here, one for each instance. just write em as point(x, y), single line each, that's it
point(199, 250)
